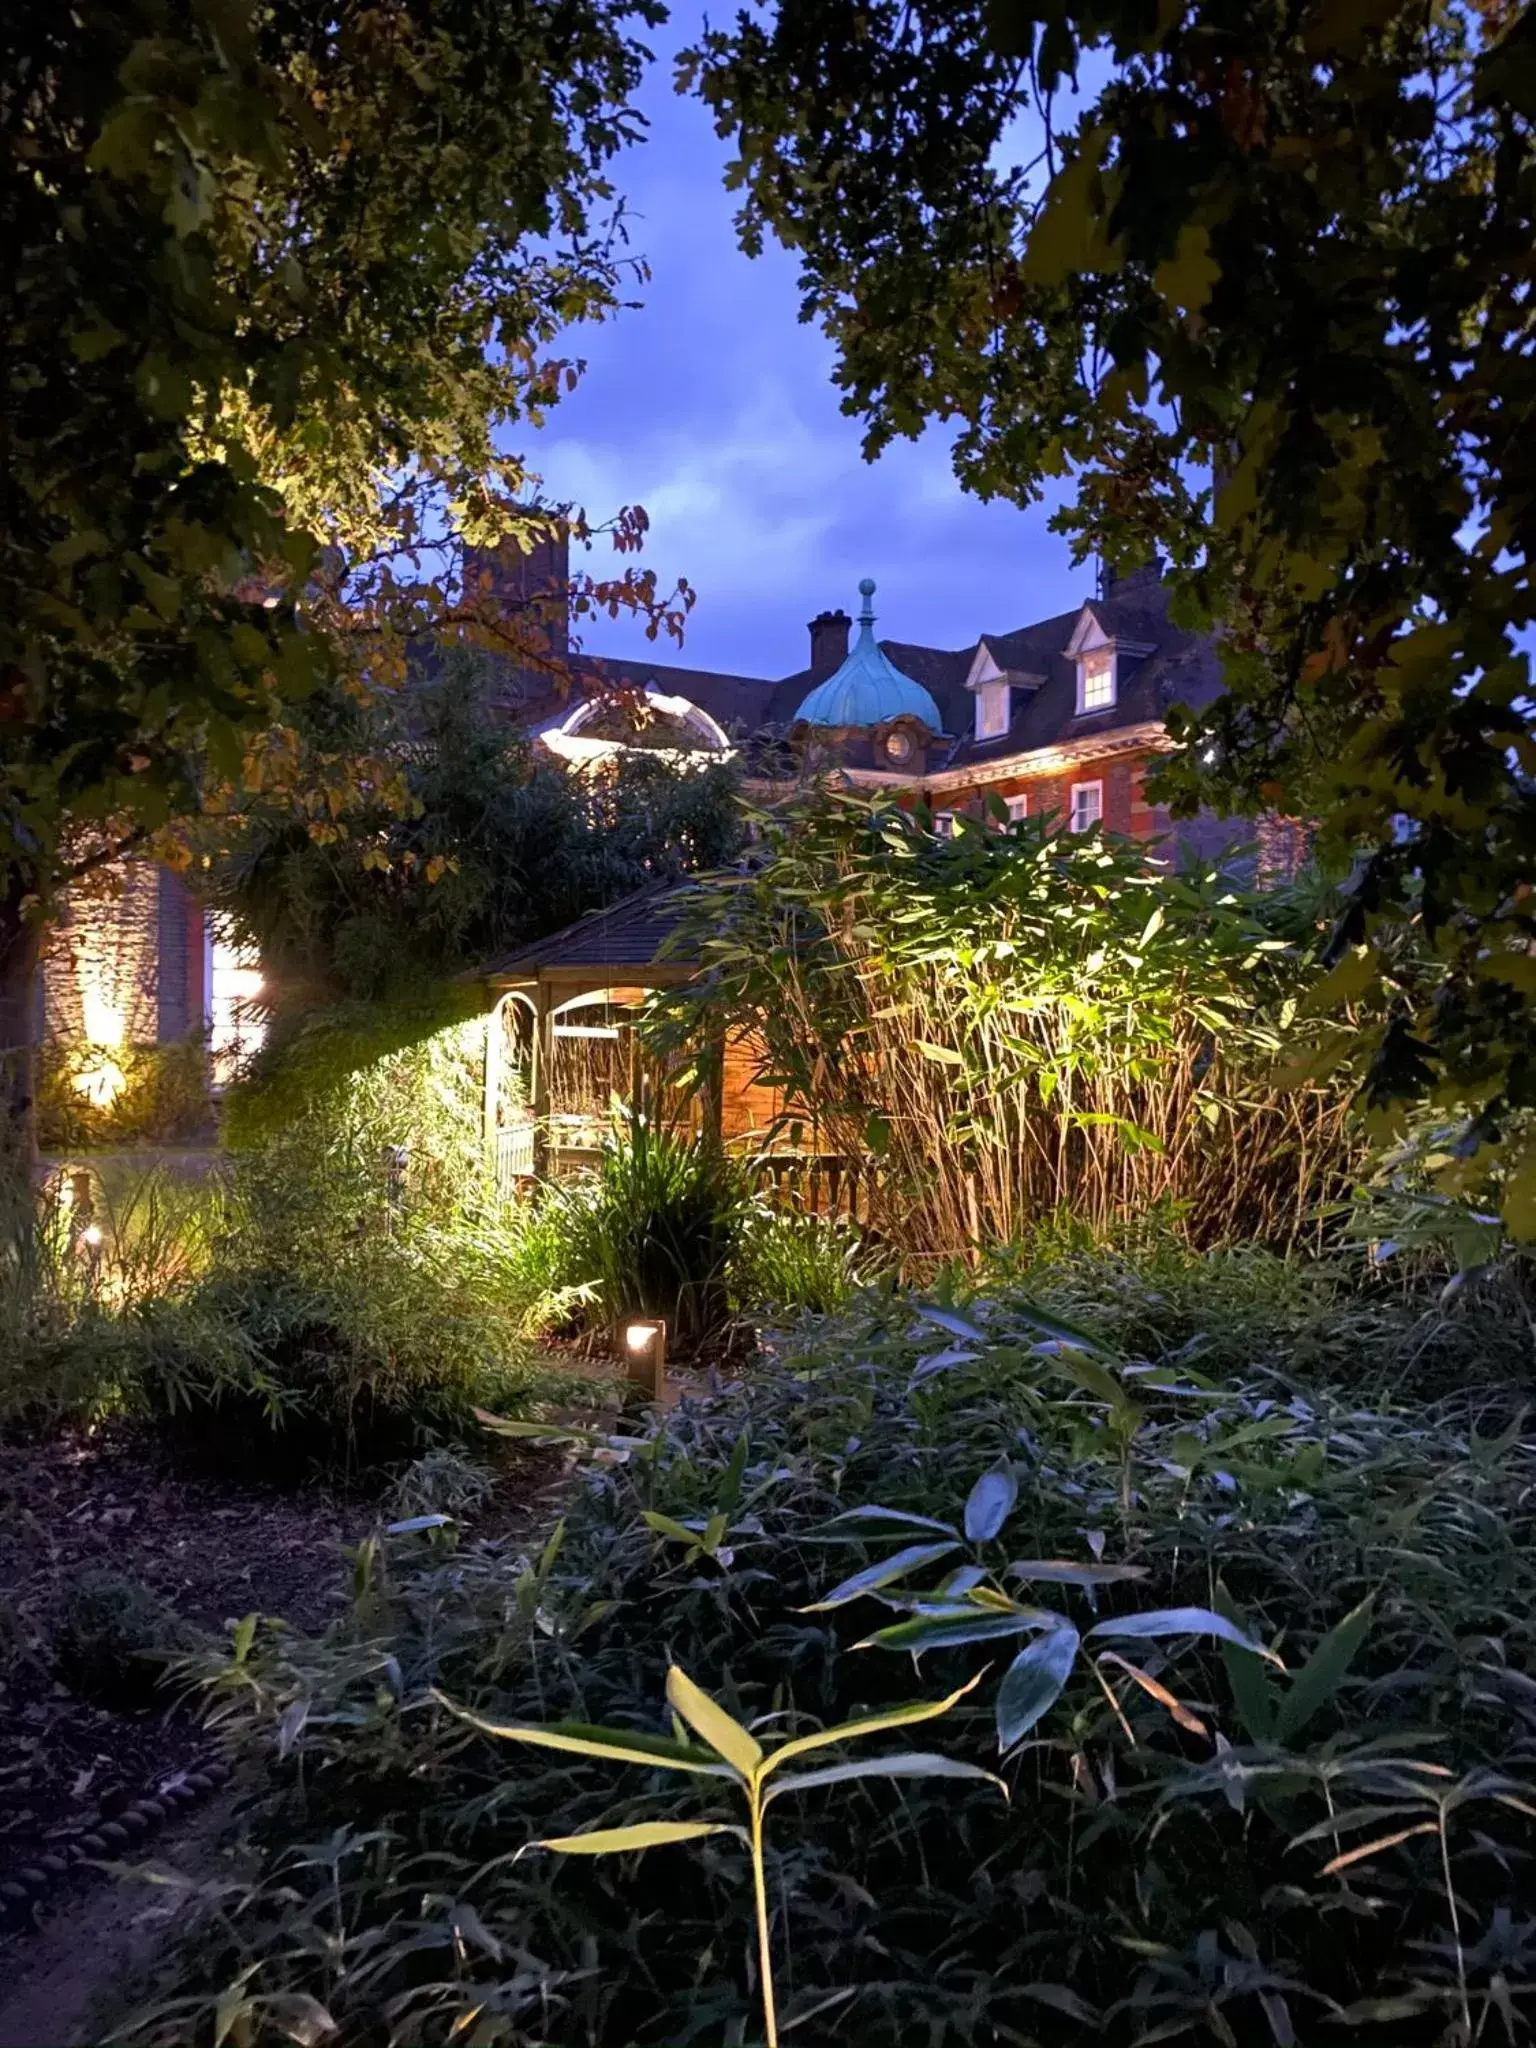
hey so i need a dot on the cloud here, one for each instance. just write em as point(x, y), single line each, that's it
point(713, 406)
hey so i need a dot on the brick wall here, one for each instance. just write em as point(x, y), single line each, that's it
point(125, 966)
point(1125, 807)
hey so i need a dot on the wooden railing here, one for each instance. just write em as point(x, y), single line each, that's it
point(815, 1183)
point(812, 1183)
point(514, 1158)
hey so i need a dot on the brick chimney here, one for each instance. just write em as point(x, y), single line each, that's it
point(533, 583)
point(829, 642)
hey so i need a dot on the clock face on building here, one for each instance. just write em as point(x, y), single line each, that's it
point(898, 746)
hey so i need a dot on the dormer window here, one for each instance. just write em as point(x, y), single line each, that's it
point(992, 708)
point(1096, 679)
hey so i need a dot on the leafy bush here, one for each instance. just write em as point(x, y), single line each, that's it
point(1199, 1843)
point(653, 1231)
point(787, 1262)
point(1008, 1021)
point(163, 1098)
point(115, 1639)
point(77, 1263)
point(322, 1300)
point(491, 851)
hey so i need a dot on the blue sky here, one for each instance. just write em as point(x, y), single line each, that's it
point(714, 408)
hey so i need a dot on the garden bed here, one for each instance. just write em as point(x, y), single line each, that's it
point(1276, 1772)
point(77, 1502)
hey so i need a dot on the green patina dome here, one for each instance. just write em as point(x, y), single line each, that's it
point(868, 689)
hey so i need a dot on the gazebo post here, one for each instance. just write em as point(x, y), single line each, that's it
point(543, 1060)
point(714, 1086)
point(493, 1064)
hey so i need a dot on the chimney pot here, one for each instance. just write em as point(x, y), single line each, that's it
point(829, 641)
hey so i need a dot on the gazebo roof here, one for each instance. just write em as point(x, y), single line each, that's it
point(628, 935)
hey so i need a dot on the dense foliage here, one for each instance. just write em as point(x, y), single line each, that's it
point(1198, 1842)
point(489, 850)
point(1120, 242)
point(1014, 1022)
point(340, 1292)
point(278, 278)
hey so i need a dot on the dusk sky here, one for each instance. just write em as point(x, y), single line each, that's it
point(713, 407)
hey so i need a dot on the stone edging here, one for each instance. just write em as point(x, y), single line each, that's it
point(62, 1857)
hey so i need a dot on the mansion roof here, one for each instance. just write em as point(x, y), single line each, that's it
point(1160, 664)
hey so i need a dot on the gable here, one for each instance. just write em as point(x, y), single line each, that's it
point(1087, 634)
point(983, 669)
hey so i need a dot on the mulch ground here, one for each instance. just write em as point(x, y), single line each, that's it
point(111, 1500)
point(213, 1549)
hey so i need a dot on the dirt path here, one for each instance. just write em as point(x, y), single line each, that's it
point(73, 1965)
point(68, 1981)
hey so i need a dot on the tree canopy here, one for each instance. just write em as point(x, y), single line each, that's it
point(1291, 243)
point(280, 279)
point(488, 850)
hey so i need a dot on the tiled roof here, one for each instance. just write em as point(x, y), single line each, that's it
point(629, 933)
point(1181, 667)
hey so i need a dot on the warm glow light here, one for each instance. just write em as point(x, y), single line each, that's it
point(91, 1235)
point(103, 1021)
point(101, 1083)
point(640, 1336)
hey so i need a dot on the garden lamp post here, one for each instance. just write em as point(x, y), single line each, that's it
point(645, 1354)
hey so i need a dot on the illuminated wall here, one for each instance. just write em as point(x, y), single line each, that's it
point(138, 964)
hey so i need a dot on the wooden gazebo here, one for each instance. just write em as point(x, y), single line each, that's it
point(561, 1045)
point(561, 1042)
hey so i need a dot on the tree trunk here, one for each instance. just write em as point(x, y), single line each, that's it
point(21, 946)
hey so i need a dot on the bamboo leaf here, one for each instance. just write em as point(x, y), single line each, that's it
point(1426, 1827)
point(1184, 1621)
point(1251, 1691)
point(1033, 1683)
point(897, 1515)
point(957, 1326)
point(941, 1361)
point(1323, 1673)
point(1156, 1690)
point(1036, 1318)
point(990, 1503)
point(945, 1631)
point(645, 1834)
point(578, 1738)
point(1062, 1572)
point(708, 1718)
point(908, 1764)
point(870, 1724)
point(885, 1572)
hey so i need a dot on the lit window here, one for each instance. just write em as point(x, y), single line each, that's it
point(1087, 805)
point(943, 824)
point(991, 711)
point(1096, 679)
point(237, 1021)
point(1018, 809)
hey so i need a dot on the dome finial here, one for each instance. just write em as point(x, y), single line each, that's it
point(868, 690)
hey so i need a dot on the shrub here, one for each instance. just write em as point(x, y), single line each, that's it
point(115, 1639)
point(163, 1098)
point(388, 1350)
point(654, 1230)
point(787, 1262)
point(1008, 1021)
point(77, 1264)
point(1195, 1840)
